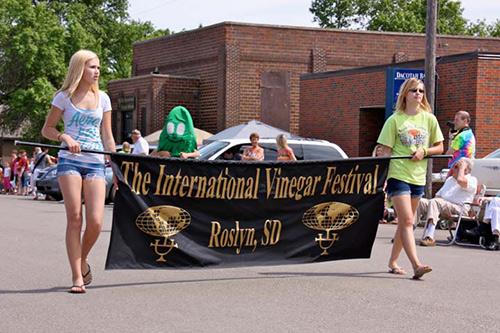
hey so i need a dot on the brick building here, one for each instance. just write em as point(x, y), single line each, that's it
point(353, 101)
point(229, 73)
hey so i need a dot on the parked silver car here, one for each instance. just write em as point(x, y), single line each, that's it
point(48, 184)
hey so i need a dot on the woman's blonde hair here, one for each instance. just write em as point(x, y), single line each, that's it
point(375, 150)
point(75, 73)
point(403, 91)
point(126, 146)
point(281, 141)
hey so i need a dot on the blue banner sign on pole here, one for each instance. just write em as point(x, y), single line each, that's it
point(394, 79)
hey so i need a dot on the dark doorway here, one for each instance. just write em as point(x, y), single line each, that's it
point(371, 120)
point(128, 124)
point(275, 99)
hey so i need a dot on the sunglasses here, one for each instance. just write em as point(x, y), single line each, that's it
point(419, 90)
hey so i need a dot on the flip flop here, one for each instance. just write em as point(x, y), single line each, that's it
point(397, 271)
point(87, 277)
point(76, 291)
point(420, 271)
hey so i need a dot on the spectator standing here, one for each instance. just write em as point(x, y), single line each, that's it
point(409, 131)
point(141, 146)
point(6, 178)
point(14, 159)
point(254, 153)
point(285, 153)
point(462, 143)
point(22, 166)
point(86, 112)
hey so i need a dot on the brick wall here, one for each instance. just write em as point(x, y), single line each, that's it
point(156, 95)
point(488, 106)
point(191, 53)
point(238, 53)
point(331, 109)
point(342, 107)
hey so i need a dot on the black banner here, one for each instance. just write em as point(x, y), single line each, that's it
point(173, 213)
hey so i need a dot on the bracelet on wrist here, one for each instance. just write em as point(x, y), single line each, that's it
point(425, 152)
point(58, 136)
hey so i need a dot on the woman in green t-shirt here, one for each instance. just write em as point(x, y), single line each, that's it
point(411, 130)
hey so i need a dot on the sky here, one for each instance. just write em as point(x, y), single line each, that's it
point(177, 15)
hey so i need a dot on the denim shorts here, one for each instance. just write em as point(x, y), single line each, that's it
point(85, 170)
point(397, 187)
point(24, 180)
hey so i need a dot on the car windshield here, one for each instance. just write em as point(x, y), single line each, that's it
point(495, 154)
point(207, 151)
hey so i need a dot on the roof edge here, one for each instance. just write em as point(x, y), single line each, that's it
point(420, 62)
point(261, 25)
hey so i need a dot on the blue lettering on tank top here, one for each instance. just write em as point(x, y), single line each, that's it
point(80, 119)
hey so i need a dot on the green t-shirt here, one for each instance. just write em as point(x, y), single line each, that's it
point(405, 134)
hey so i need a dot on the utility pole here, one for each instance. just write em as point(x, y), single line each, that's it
point(430, 74)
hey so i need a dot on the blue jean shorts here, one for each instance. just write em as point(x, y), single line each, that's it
point(397, 187)
point(85, 170)
point(24, 180)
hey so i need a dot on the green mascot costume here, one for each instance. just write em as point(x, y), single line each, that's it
point(178, 134)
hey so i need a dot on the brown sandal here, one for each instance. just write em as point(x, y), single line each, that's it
point(397, 271)
point(420, 271)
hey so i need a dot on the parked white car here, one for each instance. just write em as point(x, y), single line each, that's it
point(304, 149)
point(487, 172)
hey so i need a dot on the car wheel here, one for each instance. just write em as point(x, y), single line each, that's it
point(443, 224)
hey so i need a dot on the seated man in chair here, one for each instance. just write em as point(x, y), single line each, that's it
point(460, 187)
point(492, 217)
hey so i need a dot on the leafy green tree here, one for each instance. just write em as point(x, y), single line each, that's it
point(37, 39)
point(335, 13)
point(482, 29)
point(388, 15)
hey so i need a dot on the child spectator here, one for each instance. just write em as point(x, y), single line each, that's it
point(6, 178)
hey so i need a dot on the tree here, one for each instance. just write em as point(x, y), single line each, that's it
point(388, 15)
point(483, 29)
point(335, 13)
point(37, 39)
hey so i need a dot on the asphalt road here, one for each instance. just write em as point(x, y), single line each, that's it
point(461, 294)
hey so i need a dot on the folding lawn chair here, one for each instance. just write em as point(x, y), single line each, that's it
point(469, 212)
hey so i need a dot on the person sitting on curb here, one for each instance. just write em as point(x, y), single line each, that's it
point(460, 187)
point(492, 217)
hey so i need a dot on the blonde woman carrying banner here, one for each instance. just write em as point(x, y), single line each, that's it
point(86, 113)
point(411, 130)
